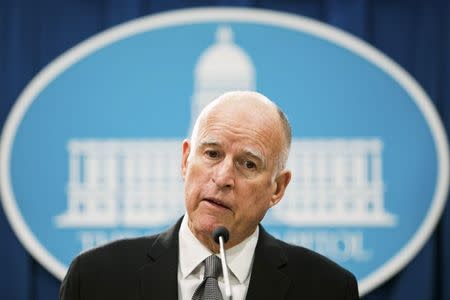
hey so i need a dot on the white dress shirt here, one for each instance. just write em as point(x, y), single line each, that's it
point(192, 252)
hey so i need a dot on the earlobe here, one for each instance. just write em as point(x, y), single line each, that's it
point(185, 155)
point(281, 183)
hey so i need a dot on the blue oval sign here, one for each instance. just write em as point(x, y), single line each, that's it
point(91, 150)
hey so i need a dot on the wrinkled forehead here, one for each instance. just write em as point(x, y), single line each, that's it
point(242, 109)
point(259, 123)
point(245, 114)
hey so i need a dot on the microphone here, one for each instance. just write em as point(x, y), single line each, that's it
point(221, 236)
point(221, 232)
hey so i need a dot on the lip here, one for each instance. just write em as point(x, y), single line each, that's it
point(216, 202)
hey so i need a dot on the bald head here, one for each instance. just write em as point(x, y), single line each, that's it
point(248, 105)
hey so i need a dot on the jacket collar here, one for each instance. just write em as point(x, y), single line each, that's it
point(158, 278)
point(268, 281)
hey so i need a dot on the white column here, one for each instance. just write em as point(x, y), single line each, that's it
point(359, 179)
point(92, 171)
point(296, 201)
point(74, 168)
point(339, 170)
point(159, 178)
point(308, 180)
point(359, 170)
point(377, 177)
point(110, 168)
point(172, 176)
point(92, 180)
point(376, 169)
point(321, 180)
point(375, 155)
point(339, 181)
point(73, 200)
point(129, 180)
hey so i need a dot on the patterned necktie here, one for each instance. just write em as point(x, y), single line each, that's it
point(209, 288)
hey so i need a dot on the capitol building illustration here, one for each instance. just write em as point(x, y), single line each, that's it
point(137, 182)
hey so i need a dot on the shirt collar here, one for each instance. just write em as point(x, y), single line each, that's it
point(192, 252)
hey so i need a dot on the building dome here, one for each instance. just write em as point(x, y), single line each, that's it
point(224, 63)
point(222, 67)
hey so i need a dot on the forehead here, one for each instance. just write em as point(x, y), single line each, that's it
point(244, 112)
point(247, 124)
point(246, 148)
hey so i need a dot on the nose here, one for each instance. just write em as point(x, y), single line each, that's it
point(223, 174)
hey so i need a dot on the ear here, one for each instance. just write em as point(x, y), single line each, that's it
point(281, 182)
point(184, 159)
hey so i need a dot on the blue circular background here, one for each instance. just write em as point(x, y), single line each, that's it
point(141, 86)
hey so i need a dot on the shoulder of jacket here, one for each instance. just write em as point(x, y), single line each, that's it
point(302, 257)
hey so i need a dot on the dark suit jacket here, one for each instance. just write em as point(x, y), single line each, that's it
point(146, 268)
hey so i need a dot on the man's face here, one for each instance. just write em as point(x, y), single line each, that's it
point(229, 170)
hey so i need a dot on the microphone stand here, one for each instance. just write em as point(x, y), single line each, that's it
point(226, 276)
point(221, 236)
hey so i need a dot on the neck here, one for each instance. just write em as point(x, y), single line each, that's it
point(206, 239)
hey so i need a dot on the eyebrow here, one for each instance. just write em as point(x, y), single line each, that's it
point(209, 142)
point(255, 154)
point(248, 152)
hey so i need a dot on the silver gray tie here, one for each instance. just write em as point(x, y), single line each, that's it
point(209, 288)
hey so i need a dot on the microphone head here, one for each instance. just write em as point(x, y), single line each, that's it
point(221, 231)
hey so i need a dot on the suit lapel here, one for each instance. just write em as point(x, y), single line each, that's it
point(158, 278)
point(267, 280)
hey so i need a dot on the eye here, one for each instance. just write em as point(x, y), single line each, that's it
point(212, 153)
point(248, 164)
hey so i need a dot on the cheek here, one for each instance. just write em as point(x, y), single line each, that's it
point(196, 174)
point(256, 198)
point(264, 192)
point(194, 179)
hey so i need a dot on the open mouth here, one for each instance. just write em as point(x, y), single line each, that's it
point(216, 202)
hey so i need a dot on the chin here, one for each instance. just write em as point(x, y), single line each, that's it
point(207, 224)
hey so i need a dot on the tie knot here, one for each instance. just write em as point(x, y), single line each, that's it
point(213, 267)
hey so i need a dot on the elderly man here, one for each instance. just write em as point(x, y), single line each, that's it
point(234, 171)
